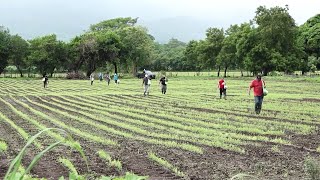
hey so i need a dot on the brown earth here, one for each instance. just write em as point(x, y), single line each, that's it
point(263, 160)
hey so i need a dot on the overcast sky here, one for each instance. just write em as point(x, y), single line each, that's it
point(68, 18)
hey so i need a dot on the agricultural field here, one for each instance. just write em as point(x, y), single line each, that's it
point(189, 133)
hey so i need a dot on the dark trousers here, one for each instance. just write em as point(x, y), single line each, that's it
point(223, 91)
point(45, 84)
point(258, 103)
point(163, 89)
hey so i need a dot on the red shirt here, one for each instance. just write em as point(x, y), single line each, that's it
point(221, 84)
point(257, 87)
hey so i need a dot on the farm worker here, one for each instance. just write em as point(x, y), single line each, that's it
point(100, 76)
point(108, 78)
point(115, 78)
point(163, 84)
point(257, 86)
point(146, 83)
point(45, 81)
point(91, 78)
point(222, 88)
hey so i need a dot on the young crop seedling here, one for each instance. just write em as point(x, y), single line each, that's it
point(113, 163)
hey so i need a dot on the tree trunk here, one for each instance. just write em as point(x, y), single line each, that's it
point(265, 72)
point(241, 72)
point(219, 71)
point(115, 68)
point(20, 71)
point(225, 71)
point(134, 69)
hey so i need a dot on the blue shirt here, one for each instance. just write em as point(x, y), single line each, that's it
point(115, 77)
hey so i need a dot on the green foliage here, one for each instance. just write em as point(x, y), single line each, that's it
point(5, 45)
point(275, 149)
point(3, 146)
point(137, 48)
point(312, 168)
point(108, 48)
point(73, 172)
point(309, 36)
point(114, 24)
point(47, 53)
point(18, 53)
point(13, 173)
point(211, 47)
point(191, 55)
point(166, 164)
point(169, 56)
point(274, 42)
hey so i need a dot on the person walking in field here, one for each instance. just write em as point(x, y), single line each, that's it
point(115, 78)
point(222, 88)
point(91, 78)
point(45, 81)
point(146, 83)
point(100, 76)
point(108, 78)
point(163, 84)
point(258, 85)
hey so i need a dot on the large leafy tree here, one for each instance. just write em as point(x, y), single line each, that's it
point(227, 55)
point(108, 47)
point(47, 53)
point(275, 41)
point(87, 46)
point(309, 39)
point(191, 56)
point(243, 45)
point(19, 52)
point(73, 61)
point(112, 28)
point(310, 36)
point(211, 48)
point(137, 47)
point(5, 44)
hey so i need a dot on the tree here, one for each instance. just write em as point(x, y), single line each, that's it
point(211, 48)
point(191, 56)
point(137, 48)
point(309, 39)
point(274, 41)
point(243, 45)
point(227, 55)
point(115, 26)
point(73, 61)
point(87, 46)
point(5, 44)
point(47, 53)
point(19, 52)
point(108, 47)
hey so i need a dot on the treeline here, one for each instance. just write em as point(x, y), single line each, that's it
point(271, 41)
